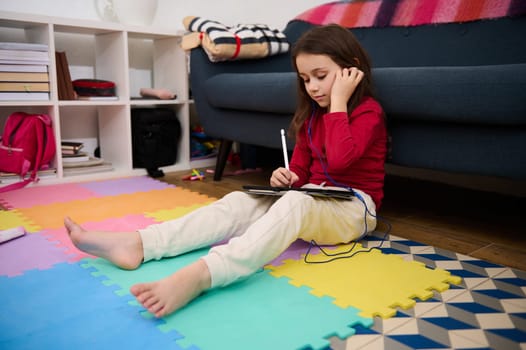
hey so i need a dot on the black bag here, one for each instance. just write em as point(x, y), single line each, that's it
point(155, 138)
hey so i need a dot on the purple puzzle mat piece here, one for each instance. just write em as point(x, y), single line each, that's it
point(122, 224)
point(31, 251)
point(115, 187)
point(294, 252)
point(41, 195)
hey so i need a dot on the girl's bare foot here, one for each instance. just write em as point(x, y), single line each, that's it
point(175, 291)
point(124, 249)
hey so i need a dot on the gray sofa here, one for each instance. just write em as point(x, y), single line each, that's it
point(454, 95)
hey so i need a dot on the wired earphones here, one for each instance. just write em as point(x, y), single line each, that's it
point(340, 255)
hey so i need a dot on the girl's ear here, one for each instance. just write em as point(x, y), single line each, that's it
point(357, 61)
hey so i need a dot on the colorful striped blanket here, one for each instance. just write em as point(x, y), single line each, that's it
point(384, 13)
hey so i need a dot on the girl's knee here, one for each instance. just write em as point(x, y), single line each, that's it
point(237, 195)
point(298, 196)
point(241, 203)
point(297, 199)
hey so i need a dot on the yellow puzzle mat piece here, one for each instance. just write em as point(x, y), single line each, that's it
point(170, 214)
point(373, 282)
point(101, 208)
point(13, 218)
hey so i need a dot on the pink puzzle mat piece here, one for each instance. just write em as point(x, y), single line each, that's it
point(31, 251)
point(125, 223)
point(97, 209)
point(41, 195)
point(115, 187)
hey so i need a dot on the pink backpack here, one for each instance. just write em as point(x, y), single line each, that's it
point(27, 144)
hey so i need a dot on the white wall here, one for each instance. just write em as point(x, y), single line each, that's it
point(274, 13)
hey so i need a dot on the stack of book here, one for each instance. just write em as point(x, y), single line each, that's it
point(24, 73)
point(74, 161)
point(71, 148)
point(71, 152)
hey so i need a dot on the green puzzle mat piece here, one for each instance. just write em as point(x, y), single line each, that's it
point(261, 312)
point(373, 282)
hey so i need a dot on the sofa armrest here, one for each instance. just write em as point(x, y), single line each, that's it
point(202, 67)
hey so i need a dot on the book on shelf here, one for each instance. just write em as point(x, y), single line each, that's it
point(26, 62)
point(90, 162)
point(29, 68)
point(24, 86)
point(98, 98)
point(24, 96)
point(75, 158)
point(6, 45)
point(71, 144)
point(71, 147)
point(24, 56)
point(101, 167)
point(24, 76)
point(65, 84)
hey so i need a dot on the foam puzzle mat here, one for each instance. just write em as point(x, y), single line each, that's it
point(396, 294)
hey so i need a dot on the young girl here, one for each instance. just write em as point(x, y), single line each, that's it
point(340, 141)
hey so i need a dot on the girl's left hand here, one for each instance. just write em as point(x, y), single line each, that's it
point(345, 83)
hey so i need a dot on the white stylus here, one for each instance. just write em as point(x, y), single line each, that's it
point(284, 146)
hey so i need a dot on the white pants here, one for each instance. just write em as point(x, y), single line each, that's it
point(257, 230)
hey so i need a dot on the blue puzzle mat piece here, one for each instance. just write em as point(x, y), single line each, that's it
point(261, 312)
point(66, 308)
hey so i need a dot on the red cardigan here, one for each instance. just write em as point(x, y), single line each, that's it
point(352, 150)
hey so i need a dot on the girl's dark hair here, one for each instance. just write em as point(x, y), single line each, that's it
point(344, 49)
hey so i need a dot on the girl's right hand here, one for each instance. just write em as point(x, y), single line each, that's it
point(281, 177)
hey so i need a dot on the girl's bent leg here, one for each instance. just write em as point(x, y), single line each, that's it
point(123, 249)
point(295, 215)
point(264, 240)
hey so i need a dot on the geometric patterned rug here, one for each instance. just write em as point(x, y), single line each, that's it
point(486, 311)
point(395, 294)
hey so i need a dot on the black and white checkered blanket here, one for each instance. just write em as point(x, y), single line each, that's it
point(242, 41)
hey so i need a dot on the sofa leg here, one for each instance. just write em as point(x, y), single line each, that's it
point(224, 150)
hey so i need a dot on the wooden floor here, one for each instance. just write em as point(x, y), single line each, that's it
point(484, 225)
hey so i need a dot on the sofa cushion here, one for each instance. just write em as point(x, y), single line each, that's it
point(470, 94)
point(261, 92)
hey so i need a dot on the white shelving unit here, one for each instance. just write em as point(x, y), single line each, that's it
point(130, 56)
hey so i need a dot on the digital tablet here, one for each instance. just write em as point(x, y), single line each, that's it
point(318, 191)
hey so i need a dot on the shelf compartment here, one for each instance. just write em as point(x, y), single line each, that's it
point(98, 55)
point(154, 63)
